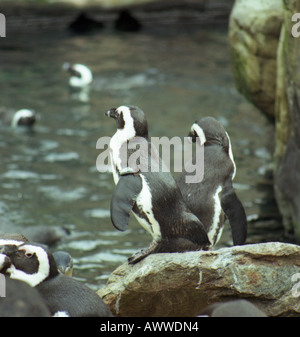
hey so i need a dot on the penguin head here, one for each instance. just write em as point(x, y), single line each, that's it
point(81, 75)
point(30, 263)
point(131, 119)
point(210, 131)
point(64, 262)
point(23, 117)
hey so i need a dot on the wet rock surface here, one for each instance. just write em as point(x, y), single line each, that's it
point(183, 284)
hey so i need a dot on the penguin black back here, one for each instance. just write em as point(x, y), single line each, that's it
point(213, 199)
point(21, 300)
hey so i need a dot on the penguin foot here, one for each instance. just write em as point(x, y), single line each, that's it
point(137, 257)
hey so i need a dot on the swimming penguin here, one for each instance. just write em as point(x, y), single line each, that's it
point(47, 235)
point(152, 195)
point(83, 23)
point(36, 266)
point(213, 199)
point(81, 75)
point(126, 22)
point(64, 262)
point(22, 117)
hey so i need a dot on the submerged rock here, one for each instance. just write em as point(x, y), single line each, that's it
point(183, 284)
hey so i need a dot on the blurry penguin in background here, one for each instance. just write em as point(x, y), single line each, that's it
point(80, 80)
point(25, 118)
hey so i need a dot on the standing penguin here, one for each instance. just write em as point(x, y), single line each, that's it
point(152, 195)
point(214, 199)
point(36, 266)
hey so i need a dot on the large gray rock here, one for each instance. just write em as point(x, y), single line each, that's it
point(287, 154)
point(254, 30)
point(182, 284)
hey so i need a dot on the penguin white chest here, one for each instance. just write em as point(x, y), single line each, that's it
point(115, 145)
point(144, 203)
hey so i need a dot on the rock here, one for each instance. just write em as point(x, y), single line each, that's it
point(287, 153)
point(254, 30)
point(183, 284)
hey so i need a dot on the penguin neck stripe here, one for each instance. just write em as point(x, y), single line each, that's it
point(43, 270)
point(231, 156)
point(200, 133)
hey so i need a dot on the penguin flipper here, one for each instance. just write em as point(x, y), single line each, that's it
point(235, 213)
point(123, 200)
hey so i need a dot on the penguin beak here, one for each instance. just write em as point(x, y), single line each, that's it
point(8, 249)
point(69, 68)
point(112, 113)
point(192, 136)
point(5, 263)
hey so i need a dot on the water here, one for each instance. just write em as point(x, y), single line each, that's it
point(49, 177)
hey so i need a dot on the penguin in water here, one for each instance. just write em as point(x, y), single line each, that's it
point(213, 199)
point(36, 266)
point(21, 118)
point(81, 75)
point(151, 194)
point(80, 81)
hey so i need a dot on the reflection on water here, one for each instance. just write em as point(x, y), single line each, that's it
point(49, 177)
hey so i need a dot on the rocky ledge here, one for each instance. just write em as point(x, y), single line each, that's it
point(182, 284)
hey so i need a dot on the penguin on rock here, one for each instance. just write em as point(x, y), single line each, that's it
point(64, 296)
point(213, 199)
point(150, 194)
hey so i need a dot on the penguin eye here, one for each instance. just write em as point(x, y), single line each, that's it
point(28, 255)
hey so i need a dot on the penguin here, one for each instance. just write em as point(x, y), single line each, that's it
point(24, 117)
point(81, 75)
point(84, 24)
point(236, 308)
point(213, 199)
point(150, 194)
point(35, 265)
point(47, 235)
point(21, 300)
point(64, 262)
point(125, 22)
point(20, 118)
